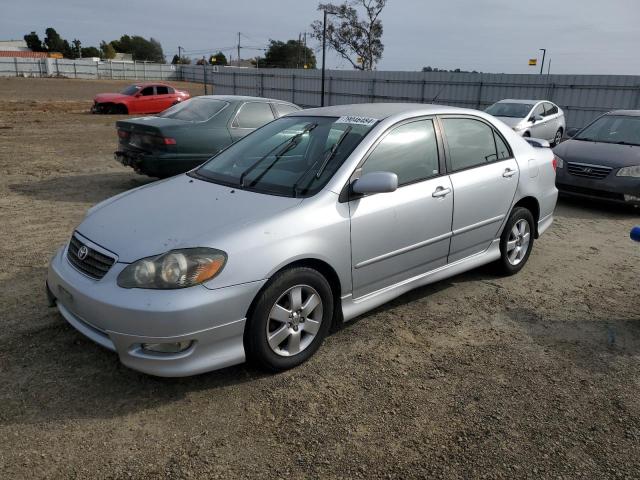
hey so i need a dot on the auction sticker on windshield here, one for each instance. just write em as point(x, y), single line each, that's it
point(355, 120)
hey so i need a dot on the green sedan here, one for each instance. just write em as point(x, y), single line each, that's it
point(189, 133)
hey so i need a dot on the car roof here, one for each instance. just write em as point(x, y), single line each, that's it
point(520, 100)
point(146, 84)
point(245, 98)
point(628, 113)
point(380, 111)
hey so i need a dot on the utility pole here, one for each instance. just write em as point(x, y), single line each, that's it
point(299, 48)
point(239, 48)
point(324, 54)
point(304, 50)
point(544, 53)
point(179, 54)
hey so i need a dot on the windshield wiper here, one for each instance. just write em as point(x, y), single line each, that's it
point(287, 146)
point(328, 157)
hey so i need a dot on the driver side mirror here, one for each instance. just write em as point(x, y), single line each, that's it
point(535, 118)
point(376, 182)
point(572, 132)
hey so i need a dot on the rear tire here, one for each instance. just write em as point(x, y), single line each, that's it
point(289, 320)
point(557, 138)
point(516, 241)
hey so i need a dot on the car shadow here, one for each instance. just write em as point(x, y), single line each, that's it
point(593, 209)
point(93, 187)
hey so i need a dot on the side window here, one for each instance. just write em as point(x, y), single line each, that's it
point(410, 151)
point(170, 90)
point(539, 110)
point(503, 150)
point(253, 115)
point(145, 92)
point(284, 109)
point(471, 143)
point(162, 90)
point(550, 109)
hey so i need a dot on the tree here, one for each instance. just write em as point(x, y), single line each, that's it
point(108, 52)
point(357, 41)
point(33, 42)
point(291, 54)
point(182, 60)
point(54, 42)
point(88, 52)
point(218, 59)
point(140, 48)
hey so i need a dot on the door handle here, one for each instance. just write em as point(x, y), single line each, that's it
point(441, 192)
point(508, 173)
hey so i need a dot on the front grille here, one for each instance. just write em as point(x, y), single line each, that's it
point(94, 265)
point(590, 192)
point(588, 171)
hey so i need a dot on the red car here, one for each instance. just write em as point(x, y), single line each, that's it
point(139, 98)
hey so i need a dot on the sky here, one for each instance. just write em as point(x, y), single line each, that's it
point(498, 36)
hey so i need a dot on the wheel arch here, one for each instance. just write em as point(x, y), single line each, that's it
point(531, 204)
point(326, 270)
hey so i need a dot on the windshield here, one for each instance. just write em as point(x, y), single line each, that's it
point(130, 90)
point(195, 109)
point(291, 156)
point(513, 110)
point(612, 129)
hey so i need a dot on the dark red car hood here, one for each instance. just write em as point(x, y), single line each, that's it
point(110, 97)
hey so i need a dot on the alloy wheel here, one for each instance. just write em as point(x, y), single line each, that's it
point(518, 243)
point(294, 320)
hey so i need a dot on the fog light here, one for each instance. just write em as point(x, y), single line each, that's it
point(176, 347)
point(631, 198)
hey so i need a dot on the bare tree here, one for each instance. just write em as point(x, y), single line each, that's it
point(358, 41)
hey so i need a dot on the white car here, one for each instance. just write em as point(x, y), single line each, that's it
point(531, 118)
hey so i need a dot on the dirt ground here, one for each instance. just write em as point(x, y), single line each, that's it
point(533, 376)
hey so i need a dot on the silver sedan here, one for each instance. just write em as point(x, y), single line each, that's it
point(531, 118)
point(308, 222)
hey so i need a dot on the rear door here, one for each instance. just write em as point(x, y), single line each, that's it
point(163, 98)
point(397, 235)
point(250, 115)
point(484, 176)
point(552, 118)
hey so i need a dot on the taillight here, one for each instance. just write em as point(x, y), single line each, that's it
point(555, 164)
point(123, 134)
point(169, 141)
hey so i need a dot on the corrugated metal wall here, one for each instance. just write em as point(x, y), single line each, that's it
point(582, 97)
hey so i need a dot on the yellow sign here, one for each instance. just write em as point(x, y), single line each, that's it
point(533, 62)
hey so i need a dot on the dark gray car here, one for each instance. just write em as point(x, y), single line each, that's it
point(189, 133)
point(603, 159)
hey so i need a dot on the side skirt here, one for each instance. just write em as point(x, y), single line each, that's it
point(353, 307)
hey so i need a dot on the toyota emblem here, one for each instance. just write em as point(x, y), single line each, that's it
point(83, 252)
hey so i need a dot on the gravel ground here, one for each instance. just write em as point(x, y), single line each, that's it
point(479, 376)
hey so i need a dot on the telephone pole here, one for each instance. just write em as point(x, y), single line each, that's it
point(239, 48)
point(179, 54)
point(544, 53)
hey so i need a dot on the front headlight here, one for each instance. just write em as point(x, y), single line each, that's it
point(174, 269)
point(559, 162)
point(629, 171)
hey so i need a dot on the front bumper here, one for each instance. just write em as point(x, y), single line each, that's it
point(159, 165)
point(609, 189)
point(123, 319)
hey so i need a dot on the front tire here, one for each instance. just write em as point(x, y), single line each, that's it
point(516, 241)
point(557, 138)
point(289, 320)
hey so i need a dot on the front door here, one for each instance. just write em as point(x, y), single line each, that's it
point(397, 235)
point(145, 103)
point(484, 176)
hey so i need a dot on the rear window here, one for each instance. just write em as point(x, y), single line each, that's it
point(195, 109)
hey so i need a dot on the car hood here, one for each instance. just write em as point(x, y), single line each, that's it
point(598, 153)
point(180, 212)
point(510, 121)
point(110, 97)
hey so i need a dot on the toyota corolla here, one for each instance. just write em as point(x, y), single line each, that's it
point(309, 221)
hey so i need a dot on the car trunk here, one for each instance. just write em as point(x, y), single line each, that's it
point(140, 136)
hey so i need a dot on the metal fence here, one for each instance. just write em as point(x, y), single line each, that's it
point(582, 97)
